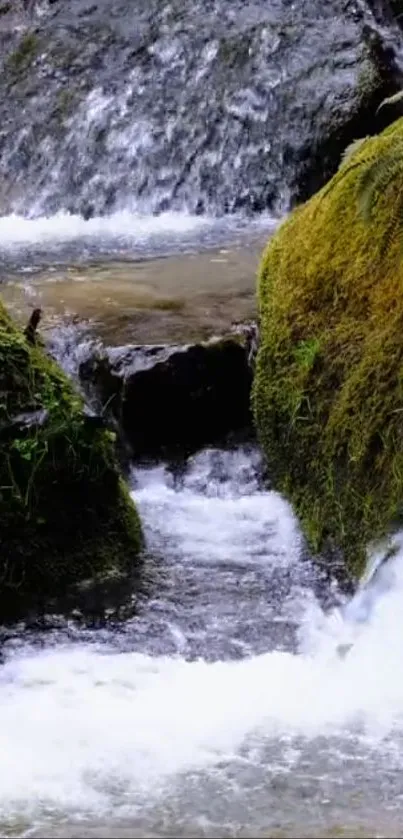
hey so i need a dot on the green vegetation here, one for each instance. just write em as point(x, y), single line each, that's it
point(65, 103)
point(328, 391)
point(379, 175)
point(24, 54)
point(65, 513)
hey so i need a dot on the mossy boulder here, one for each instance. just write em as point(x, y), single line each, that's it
point(328, 390)
point(65, 512)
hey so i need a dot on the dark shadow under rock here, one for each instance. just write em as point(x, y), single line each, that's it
point(172, 398)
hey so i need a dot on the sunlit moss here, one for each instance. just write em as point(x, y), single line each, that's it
point(328, 392)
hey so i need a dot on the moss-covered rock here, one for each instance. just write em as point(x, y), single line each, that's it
point(65, 513)
point(328, 391)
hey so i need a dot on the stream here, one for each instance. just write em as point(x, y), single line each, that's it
point(147, 152)
point(246, 697)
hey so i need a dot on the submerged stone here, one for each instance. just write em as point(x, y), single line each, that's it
point(328, 391)
point(65, 513)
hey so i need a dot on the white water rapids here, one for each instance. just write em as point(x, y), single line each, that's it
point(232, 703)
point(71, 237)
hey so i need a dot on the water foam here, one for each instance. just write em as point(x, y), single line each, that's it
point(78, 725)
point(218, 513)
point(85, 727)
point(68, 238)
point(18, 231)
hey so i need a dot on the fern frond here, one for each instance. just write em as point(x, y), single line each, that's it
point(345, 170)
point(394, 229)
point(339, 176)
point(391, 100)
point(376, 179)
point(350, 150)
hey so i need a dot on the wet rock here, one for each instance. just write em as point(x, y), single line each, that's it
point(380, 76)
point(167, 398)
point(65, 513)
point(386, 11)
point(216, 107)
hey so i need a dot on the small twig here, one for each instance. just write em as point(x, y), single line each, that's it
point(32, 325)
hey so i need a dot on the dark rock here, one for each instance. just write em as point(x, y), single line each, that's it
point(319, 159)
point(91, 419)
point(166, 398)
point(386, 11)
point(32, 326)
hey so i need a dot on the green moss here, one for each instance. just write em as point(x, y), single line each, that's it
point(66, 101)
point(24, 54)
point(234, 51)
point(328, 391)
point(65, 513)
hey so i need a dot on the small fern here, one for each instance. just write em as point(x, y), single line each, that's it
point(394, 229)
point(382, 176)
point(351, 150)
point(378, 175)
point(347, 164)
point(391, 100)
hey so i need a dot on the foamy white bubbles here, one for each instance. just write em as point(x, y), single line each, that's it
point(17, 231)
point(94, 729)
point(219, 513)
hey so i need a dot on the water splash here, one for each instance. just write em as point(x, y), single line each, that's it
point(99, 729)
point(29, 243)
point(124, 121)
point(17, 231)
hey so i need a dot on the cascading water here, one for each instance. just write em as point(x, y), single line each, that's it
point(200, 107)
point(204, 114)
point(232, 704)
point(246, 696)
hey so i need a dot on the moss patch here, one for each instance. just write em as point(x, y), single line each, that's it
point(65, 513)
point(66, 101)
point(24, 54)
point(328, 392)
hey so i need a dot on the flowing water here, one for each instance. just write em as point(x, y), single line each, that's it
point(181, 297)
point(27, 244)
point(245, 698)
point(245, 695)
point(213, 107)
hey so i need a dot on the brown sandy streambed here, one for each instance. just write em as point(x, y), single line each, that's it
point(175, 298)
